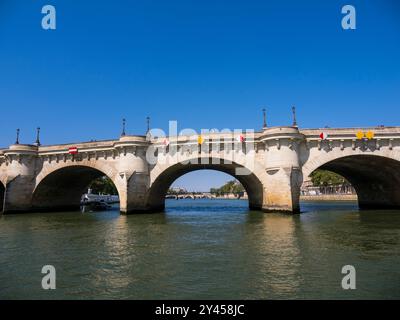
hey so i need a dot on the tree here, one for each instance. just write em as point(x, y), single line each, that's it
point(325, 178)
point(232, 186)
point(103, 185)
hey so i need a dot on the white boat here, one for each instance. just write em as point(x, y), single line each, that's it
point(90, 197)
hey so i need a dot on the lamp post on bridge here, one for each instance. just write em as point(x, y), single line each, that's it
point(123, 127)
point(37, 136)
point(294, 116)
point(148, 124)
point(264, 118)
point(17, 140)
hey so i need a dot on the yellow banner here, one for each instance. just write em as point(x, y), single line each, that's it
point(370, 135)
point(360, 135)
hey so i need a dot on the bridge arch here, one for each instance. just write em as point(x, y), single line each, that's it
point(60, 188)
point(376, 178)
point(252, 182)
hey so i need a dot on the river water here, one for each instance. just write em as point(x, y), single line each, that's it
point(202, 249)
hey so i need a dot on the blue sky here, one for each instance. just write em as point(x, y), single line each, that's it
point(206, 64)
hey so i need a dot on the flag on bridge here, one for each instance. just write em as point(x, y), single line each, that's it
point(370, 135)
point(360, 135)
point(166, 142)
point(323, 135)
point(73, 150)
point(200, 139)
point(240, 138)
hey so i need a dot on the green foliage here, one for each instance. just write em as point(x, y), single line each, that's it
point(103, 185)
point(325, 178)
point(171, 191)
point(232, 186)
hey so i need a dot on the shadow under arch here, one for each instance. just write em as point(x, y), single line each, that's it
point(2, 194)
point(156, 195)
point(376, 179)
point(62, 189)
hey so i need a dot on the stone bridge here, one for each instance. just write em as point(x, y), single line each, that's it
point(271, 165)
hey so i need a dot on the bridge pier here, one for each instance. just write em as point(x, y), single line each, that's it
point(20, 181)
point(18, 194)
point(134, 200)
point(283, 191)
point(283, 167)
point(2, 192)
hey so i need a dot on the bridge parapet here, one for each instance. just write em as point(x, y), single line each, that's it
point(382, 137)
point(87, 150)
point(351, 133)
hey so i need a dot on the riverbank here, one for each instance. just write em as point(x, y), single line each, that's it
point(330, 197)
point(321, 197)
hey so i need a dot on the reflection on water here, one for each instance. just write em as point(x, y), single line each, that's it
point(274, 256)
point(202, 249)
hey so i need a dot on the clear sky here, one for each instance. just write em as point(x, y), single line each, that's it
point(206, 64)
